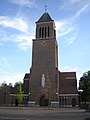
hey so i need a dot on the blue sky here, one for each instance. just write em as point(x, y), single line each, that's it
point(17, 29)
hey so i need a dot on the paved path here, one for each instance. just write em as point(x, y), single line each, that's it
point(26, 113)
point(34, 111)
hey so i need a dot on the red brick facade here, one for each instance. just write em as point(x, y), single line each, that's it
point(46, 82)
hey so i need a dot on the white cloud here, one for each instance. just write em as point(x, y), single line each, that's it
point(63, 27)
point(69, 4)
point(68, 68)
point(7, 74)
point(26, 3)
point(16, 23)
point(67, 30)
point(3, 36)
point(4, 64)
point(82, 7)
point(80, 11)
point(12, 78)
point(24, 41)
point(70, 40)
point(74, 1)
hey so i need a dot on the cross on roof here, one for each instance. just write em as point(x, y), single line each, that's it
point(45, 8)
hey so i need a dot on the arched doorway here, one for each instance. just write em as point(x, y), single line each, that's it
point(43, 101)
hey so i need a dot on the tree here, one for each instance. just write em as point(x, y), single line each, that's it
point(20, 95)
point(17, 84)
point(0, 88)
point(84, 84)
point(4, 84)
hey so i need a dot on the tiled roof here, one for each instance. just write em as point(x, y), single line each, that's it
point(45, 18)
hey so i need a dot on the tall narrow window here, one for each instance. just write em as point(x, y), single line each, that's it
point(48, 31)
point(45, 32)
point(40, 32)
point(54, 34)
point(36, 32)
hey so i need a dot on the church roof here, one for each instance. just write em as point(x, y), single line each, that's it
point(45, 18)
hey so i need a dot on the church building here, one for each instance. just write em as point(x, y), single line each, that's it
point(45, 83)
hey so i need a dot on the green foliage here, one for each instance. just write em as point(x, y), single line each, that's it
point(0, 88)
point(4, 84)
point(17, 84)
point(20, 95)
point(84, 84)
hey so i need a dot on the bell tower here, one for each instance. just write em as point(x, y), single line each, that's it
point(44, 77)
point(45, 27)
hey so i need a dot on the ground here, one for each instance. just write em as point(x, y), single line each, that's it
point(27, 113)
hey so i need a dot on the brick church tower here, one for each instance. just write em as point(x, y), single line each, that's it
point(45, 82)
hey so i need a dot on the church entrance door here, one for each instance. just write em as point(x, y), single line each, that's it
point(73, 102)
point(43, 101)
